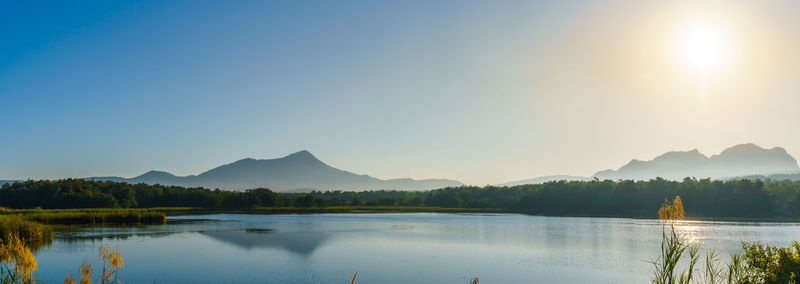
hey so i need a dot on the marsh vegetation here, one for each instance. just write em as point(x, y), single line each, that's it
point(18, 239)
point(755, 263)
point(88, 216)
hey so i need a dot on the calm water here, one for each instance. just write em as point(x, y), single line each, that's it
point(392, 248)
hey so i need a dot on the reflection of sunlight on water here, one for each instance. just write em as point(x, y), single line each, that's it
point(688, 230)
point(402, 248)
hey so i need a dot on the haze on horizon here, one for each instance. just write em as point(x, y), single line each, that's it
point(477, 91)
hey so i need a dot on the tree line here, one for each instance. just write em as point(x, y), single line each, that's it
point(625, 198)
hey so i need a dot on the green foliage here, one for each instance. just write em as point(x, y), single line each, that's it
point(387, 201)
point(713, 273)
point(730, 199)
point(736, 269)
point(305, 200)
point(769, 264)
point(81, 193)
point(626, 198)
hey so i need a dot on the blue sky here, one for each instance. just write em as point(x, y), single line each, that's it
point(480, 91)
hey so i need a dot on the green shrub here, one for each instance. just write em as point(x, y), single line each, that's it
point(770, 264)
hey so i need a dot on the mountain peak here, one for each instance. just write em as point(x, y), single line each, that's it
point(154, 173)
point(747, 147)
point(750, 149)
point(302, 155)
point(297, 171)
point(692, 154)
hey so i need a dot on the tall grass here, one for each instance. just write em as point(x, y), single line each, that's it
point(112, 262)
point(32, 235)
point(672, 250)
point(92, 218)
point(18, 238)
point(89, 216)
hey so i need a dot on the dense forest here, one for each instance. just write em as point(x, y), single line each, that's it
point(701, 198)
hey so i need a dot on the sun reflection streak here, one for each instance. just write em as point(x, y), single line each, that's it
point(688, 230)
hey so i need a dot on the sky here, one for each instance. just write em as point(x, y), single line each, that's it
point(483, 92)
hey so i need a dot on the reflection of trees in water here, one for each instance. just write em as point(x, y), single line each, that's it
point(302, 243)
point(83, 234)
point(111, 236)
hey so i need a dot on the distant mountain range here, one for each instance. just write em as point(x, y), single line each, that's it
point(736, 161)
point(300, 171)
point(545, 179)
point(740, 161)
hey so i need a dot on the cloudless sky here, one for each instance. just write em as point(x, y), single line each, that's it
point(480, 91)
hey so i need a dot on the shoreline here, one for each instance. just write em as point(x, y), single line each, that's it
point(182, 211)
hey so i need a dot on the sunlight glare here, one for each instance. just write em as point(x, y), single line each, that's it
point(703, 47)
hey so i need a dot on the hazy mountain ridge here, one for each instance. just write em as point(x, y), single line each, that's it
point(743, 161)
point(775, 177)
point(545, 179)
point(300, 171)
point(2, 182)
point(737, 161)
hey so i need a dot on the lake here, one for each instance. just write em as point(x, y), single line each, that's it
point(391, 248)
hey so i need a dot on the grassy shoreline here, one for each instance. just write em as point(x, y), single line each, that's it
point(88, 216)
point(157, 215)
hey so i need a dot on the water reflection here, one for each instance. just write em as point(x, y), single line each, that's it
point(689, 232)
point(302, 243)
point(112, 237)
point(394, 248)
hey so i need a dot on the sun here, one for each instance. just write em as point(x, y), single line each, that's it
point(703, 47)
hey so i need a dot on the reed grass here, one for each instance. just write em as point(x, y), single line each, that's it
point(757, 264)
point(32, 234)
point(89, 216)
point(95, 218)
point(18, 239)
point(672, 250)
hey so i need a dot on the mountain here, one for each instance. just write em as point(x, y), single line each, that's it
point(737, 161)
point(791, 177)
point(545, 179)
point(300, 171)
point(740, 161)
point(2, 182)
